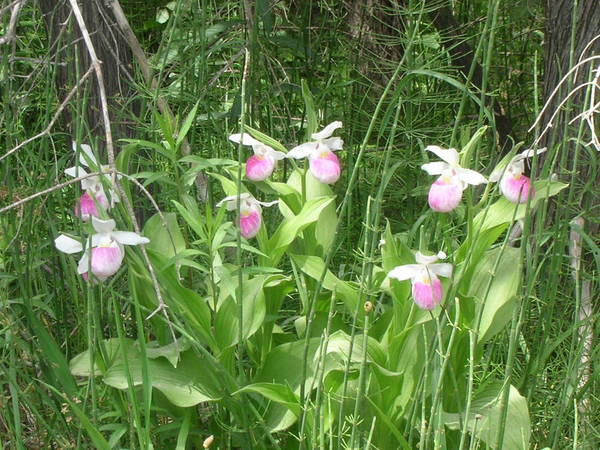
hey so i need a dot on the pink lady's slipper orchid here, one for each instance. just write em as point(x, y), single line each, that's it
point(260, 166)
point(94, 195)
point(515, 186)
point(446, 192)
point(250, 212)
point(324, 165)
point(106, 253)
point(426, 286)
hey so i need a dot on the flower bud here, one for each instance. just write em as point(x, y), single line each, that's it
point(368, 307)
point(208, 441)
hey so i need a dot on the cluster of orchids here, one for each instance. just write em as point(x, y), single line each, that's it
point(324, 165)
point(103, 250)
point(444, 196)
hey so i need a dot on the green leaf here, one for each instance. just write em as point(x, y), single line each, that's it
point(290, 228)
point(170, 351)
point(499, 300)
point(165, 237)
point(267, 140)
point(503, 211)
point(278, 393)
point(484, 418)
point(187, 123)
point(314, 266)
point(311, 112)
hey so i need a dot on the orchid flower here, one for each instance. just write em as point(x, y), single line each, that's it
point(426, 286)
point(260, 166)
point(515, 186)
point(446, 192)
point(105, 254)
point(250, 212)
point(324, 165)
point(94, 194)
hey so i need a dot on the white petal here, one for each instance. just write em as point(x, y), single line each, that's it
point(435, 168)
point(405, 272)
point(67, 245)
point(231, 200)
point(530, 152)
point(75, 172)
point(428, 259)
point(470, 176)
point(449, 155)
point(84, 262)
point(86, 155)
point(274, 154)
point(327, 131)
point(129, 238)
point(334, 143)
point(497, 174)
point(246, 139)
point(267, 204)
point(103, 226)
point(443, 270)
point(90, 183)
point(302, 150)
point(100, 239)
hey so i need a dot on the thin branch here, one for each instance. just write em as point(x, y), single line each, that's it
point(12, 24)
point(57, 114)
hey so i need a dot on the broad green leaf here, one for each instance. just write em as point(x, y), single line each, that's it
point(80, 365)
point(267, 140)
point(503, 211)
point(290, 228)
point(187, 385)
point(279, 393)
point(314, 266)
point(229, 186)
point(170, 351)
point(484, 418)
point(165, 237)
point(496, 290)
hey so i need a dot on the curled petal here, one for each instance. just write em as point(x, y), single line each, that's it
point(230, 201)
point(267, 204)
point(427, 295)
point(275, 154)
point(334, 143)
point(406, 272)
point(516, 188)
point(86, 155)
point(428, 259)
point(445, 194)
point(470, 176)
point(103, 226)
point(435, 168)
point(250, 222)
point(68, 245)
point(529, 153)
point(129, 238)
point(450, 155)
point(75, 172)
point(325, 167)
point(443, 269)
point(259, 168)
point(105, 261)
point(327, 131)
point(245, 138)
point(303, 150)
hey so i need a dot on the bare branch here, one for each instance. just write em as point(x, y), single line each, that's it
point(12, 24)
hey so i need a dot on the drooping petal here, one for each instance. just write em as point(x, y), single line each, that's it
point(517, 188)
point(106, 260)
point(529, 153)
point(249, 223)
point(76, 171)
point(445, 194)
point(429, 259)
point(245, 138)
point(67, 244)
point(427, 295)
point(129, 238)
point(84, 263)
point(334, 143)
point(435, 168)
point(231, 201)
point(325, 167)
point(327, 131)
point(470, 176)
point(103, 226)
point(86, 155)
point(443, 269)
point(267, 204)
point(259, 168)
point(450, 155)
point(302, 150)
point(405, 272)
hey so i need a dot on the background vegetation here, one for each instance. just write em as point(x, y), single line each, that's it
point(400, 75)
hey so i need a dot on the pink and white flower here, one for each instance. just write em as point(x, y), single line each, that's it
point(94, 196)
point(446, 192)
point(324, 164)
point(260, 166)
point(105, 253)
point(426, 286)
point(250, 218)
point(516, 187)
